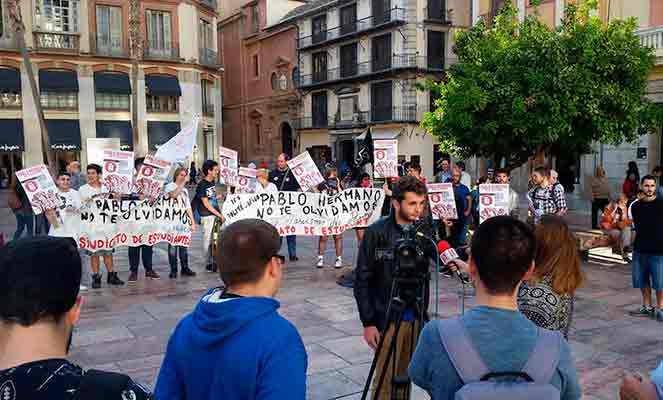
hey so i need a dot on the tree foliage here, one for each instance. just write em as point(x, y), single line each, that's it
point(520, 88)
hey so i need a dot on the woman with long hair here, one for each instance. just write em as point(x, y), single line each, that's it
point(20, 205)
point(547, 298)
point(177, 190)
point(616, 224)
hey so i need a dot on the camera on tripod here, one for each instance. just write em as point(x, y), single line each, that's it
point(411, 260)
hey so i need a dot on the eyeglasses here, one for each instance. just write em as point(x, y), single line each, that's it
point(280, 257)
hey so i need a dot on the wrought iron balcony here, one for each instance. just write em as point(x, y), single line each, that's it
point(208, 57)
point(364, 25)
point(111, 48)
point(394, 114)
point(160, 50)
point(312, 123)
point(57, 41)
point(653, 38)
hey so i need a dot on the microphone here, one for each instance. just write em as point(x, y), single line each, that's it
point(448, 255)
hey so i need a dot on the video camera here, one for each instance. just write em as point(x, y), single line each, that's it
point(410, 257)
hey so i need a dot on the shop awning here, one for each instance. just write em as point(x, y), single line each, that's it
point(379, 135)
point(11, 138)
point(58, 81)
point(159, 132)
point(163, 85)
point(64, 134)
point(112, 82)
point(117, 129)
point(10, 80)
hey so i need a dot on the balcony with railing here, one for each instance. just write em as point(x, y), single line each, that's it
point(208, 57)
point(653, 38)
point(394, 114)
point(111, 48)
point(395, 16)
point(160, 50)
point(57, 41)
point(355, 119)
point(369, 68)
point(311, 123)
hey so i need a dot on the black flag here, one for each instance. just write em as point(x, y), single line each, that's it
point(365, 154)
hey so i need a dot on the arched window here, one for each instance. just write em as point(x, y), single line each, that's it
point(275, 81)
point(295, 76)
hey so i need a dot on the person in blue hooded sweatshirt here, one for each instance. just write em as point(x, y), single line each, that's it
point(235, 345)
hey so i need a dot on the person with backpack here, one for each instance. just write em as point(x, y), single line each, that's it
point(40, 305)
point(20, 205)
point(493, 351)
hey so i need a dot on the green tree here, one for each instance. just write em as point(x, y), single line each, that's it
point(522, 88)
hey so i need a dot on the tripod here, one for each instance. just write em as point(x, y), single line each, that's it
point(407, 297)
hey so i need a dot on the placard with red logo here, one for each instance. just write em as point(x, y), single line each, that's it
point(493, 200)
point(385, 156)
point(152, 176)
point(246, 180)
point(39, 187)
point(228, 163)
point(306, 172)
point(118, 171)
point(442, 201)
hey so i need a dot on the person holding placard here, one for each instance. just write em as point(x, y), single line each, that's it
point(207, 205)
point(177, 190)
point(264, 185)
point(331, 186)
point(285, 181)
point(91, 190)
point(502, 177)
point(464, 207)
point(143, 252)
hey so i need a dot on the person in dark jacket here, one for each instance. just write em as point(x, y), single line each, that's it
point(285, 181)
point(375, 274)
point(235, 345)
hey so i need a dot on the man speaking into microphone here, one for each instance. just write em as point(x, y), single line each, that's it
point(376, 265)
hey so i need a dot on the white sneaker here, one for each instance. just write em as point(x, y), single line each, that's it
point(339, 263)
point(82, 288)
point(321, 262)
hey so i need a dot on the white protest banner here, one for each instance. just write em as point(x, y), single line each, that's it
point(385, 156)
point(228, 166)
point(107, 223)
point(308, 214)
point(442, 201)
point(493, 200)
point(246, 180)
point(96, 147)
point(306, 172)
point(39, 187)
point(180, 146)
point(151, 177)
point(118, 171)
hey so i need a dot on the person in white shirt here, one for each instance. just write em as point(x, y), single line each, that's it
point(502, 177)
point(68, 209)
point(465, 178)
point(177, 190)
point(88, 193)
point(264, 185)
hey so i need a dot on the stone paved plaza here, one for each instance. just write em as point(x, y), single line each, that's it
point(126, 329)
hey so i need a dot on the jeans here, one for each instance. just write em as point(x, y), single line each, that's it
point(292, 245)
point(598, 204)
point(135, 256)
point(41, 224)
point(647, 271)
point(24, 221)
point(172, 257)
point(208, 226)
point(459, 234)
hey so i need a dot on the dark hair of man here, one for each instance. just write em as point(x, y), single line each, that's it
point(543, 171)
point(648, 177)
point(244, 250)
point(657, 169)
point(416, 167)
point(503, 171)
point(138, 162)
point(408, 184)
point(461, 165)
point(503, 249)
point(209, 165)
point(39, 279)
point(94, 167)
point(64, 173)
point(363, 176)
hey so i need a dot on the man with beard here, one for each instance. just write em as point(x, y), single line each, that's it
point(285, 181)
point(502, 177)
point(39, 307)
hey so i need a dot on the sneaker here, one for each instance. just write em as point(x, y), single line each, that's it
point(294, 258)
point(113, 279)
point(152, 274)
point(321, 262)
point(186, 271)
point(210, 268)
point(658, 315)
point(133, 277)
point(173, 274)
point(339, 263)
point(643, 311)
point(96, 281)
point(82, 288)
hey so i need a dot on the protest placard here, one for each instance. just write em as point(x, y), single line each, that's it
point(39, 187)
point(308, 214)
point(442, 201)
point(385, 156)
point(151, 177)
point(493, 200)
point(228, 166)
point(118, 171)
point(96, 146)
point(107, 223)
point(246, 180)
point(306, 172)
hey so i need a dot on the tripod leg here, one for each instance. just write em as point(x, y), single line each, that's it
point(391, 352)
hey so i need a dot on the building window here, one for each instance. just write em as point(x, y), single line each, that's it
point(111, 101)
point(320, 66)
point(207, 88)
point(283, 82)
point(381, 52)
point(435, 50)
point(159, 33)
point(381, 94)
point(109, 30)
point(256, 67)
point(295, 76)
point(349, 60)
point(319, 28)
point(319, 106)
point(206, 34)
point(57, 15)
point(348, 19)
point(256, 131)
point(166, 104)
point(275, 81)
point(346, 108)
point(66, 101)
point(381, 10)
point(255, 19)
point(435, 10)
